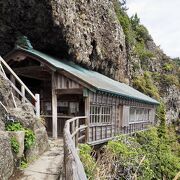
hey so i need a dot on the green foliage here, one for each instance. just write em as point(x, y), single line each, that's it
point(164, 163)
point(88, 160)
point(142, 52)
point(168, 67)
point(145, 84)
point(161, 115)
point(14, 126)
point(125, 23)
point(169, 80)
point(135, 33)
point(145, 156)
point(14, 145)
point(23, 163)
point(29, 139)
point(141, 33)
point(166, 80)
point(125, 159)
point(177, 61)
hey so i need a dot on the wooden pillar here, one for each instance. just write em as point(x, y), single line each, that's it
point(23, 94)
point(87, 114)
point(54, 107)
point(37, 105)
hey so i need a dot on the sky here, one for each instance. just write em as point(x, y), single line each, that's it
point(162, 19)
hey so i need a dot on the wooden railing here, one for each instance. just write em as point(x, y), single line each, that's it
point(75, 132)
point(34, 99)
point(135, 127)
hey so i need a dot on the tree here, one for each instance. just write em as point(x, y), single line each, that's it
point(123, 5)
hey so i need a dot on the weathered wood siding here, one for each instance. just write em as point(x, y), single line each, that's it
point(109, 116)
point(65, 83)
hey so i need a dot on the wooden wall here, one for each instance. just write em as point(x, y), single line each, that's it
point(117, 108)
point(62, 82)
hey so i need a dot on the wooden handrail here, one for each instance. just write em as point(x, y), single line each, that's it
point(17, 78)
point(24, 88)
point(74, 169)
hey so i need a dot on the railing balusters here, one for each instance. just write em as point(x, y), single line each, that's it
point(24, 89)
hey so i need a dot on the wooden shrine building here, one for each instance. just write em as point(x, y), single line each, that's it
point(68, 90)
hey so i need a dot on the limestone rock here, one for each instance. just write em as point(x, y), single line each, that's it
point(6, 157)
point(25, 115)
point(41, 144)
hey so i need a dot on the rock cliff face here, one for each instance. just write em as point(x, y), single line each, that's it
point(92, 33)
point(87, 31)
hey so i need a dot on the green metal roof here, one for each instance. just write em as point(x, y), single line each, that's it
point(96, 80)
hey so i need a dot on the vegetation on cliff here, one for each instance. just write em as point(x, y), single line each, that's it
point(146, 155)
point(150, 70)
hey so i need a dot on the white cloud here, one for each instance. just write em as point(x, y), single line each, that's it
point(162, 18)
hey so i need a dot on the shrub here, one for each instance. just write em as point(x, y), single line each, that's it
point(23, 163)
point(125, 23)
point(142, 52)
point(15, 145)
point(14, 126)
point(145, 84)
point(168, 67)
point(124, 159)
point(164, 163)
point(29, 139)
point(88, 160)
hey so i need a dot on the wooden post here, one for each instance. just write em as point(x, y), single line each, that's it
point(77, 134)
point(37, 105)
point(23, 94)
point(54, 107)
point(87, 114)
point(13, 80)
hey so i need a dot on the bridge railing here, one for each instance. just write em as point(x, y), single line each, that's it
point(24, 91)
point(75, 132)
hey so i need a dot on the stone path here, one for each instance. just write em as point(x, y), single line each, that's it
point(49, 166)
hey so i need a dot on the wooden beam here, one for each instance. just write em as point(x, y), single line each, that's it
point(54, 107)
point(31, 69)
point(21, 52)
point(69, 91)
point(39, 76)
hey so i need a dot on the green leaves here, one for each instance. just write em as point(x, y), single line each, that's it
point(145, 84)
point(16, 126)
point(29, 139)
point(88, 161)
point(14, 145)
